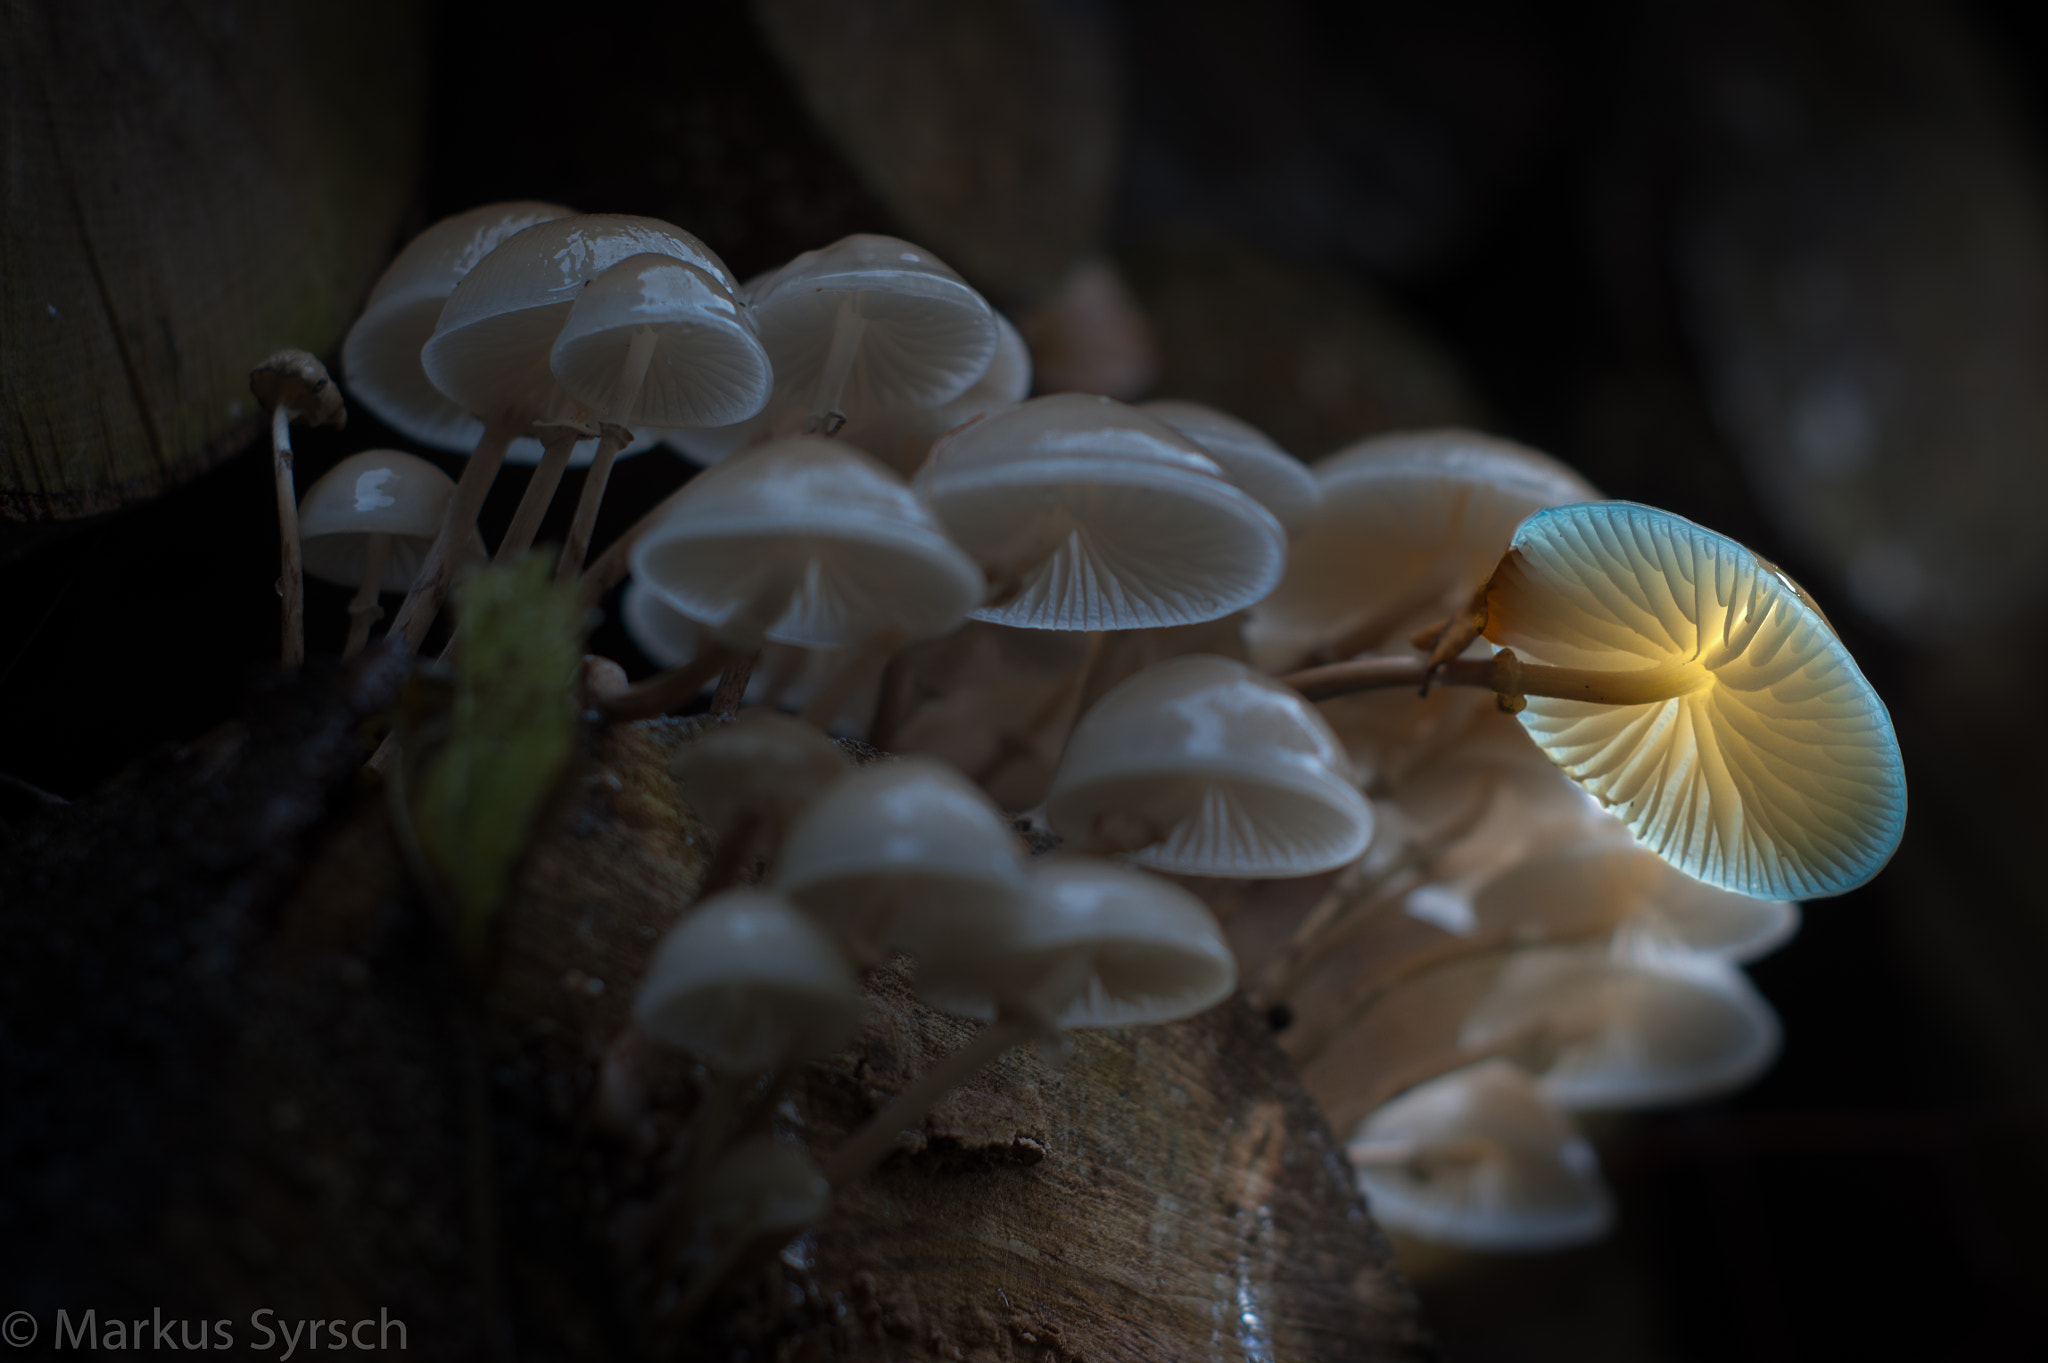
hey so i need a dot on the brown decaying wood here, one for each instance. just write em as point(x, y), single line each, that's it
point(1169, 1193)
point(189, 189)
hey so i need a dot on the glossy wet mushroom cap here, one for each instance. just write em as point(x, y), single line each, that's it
point(375, 492)
point(1771, 769)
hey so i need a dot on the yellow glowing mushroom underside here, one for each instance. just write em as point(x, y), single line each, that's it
point(1732, 732)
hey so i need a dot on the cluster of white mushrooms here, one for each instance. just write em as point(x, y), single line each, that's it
point(1508, 871)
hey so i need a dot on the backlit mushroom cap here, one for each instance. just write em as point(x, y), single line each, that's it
point(827, 528)
point(381, 356)
point(903, 438)
point(1622, 1028)
point(1407, 528)
point(763, 764)
point(904, 856)
point(1203, 766)
point(1776, 773)
point(1108, 518)
point(1478, 1158)
point(927, 334)
point(490, 351)
point(1599, 883)
point(1092, 945)
point(1276, 479)
point(706, 367)
point(376, 492)
point(747, 982)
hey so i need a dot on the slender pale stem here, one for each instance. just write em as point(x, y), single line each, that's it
point(363, 610)
point(847, 328)
point(291, 574)
point(1013, 744)
point(558, 444)
point(1505, 675)
point(430, 588)
point(868, 659)
point(870, 1145)
point(614, 439)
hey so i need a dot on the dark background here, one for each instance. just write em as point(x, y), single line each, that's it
point(1503, 202)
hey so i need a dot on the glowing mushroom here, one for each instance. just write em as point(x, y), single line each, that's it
point(1478, 1158)
point(368, 522)
point(1699, 695)
point(1091, 515)
point(1205, 766)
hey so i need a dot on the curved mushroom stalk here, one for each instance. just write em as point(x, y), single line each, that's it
point(293, 386)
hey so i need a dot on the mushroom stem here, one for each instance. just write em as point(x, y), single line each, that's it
point(1506, 675)
point(558, 444)
point(672, 689)
point(291, 574)
point(869, 1146)
point(416, 614)
point(732, 686)
point(1372, 631)
point(847, 328)
point(363, 610)
point(872, 654)
point(1012, 744)
point(614, 439)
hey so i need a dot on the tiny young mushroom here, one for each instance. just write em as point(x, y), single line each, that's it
point(749, 780)
point(1405, 529)
point(1689, 686)
point(801, 541)
point(367, 523)
point(293, 386)
point(1204, 766)
point(1089, 945)
point(1091, 515)
point(1478, 1158)
point(869, 324)
point(491, 350)
point(905, 856)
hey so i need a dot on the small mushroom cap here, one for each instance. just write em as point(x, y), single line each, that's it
point(1493, 1165)
point(382, 353)
point(763, 764)
point(1604, 882)
point(810, 516)
point(1628, 1027)
point(1406, 530)
point(1276, 479)
point(1109, 518)
point(747, 982)
point(763, 1186)
point(376, 492)
point(1778, 775)
point(296, 381)
point(1091, 945)
point(491, 349)
point(903, 438)
point(707, 368)
point(1233, 773)
point(928, 334)
point(905, 856)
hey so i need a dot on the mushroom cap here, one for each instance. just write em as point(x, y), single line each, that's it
point(296, 381)
point(375, 492)
point(668, 637)
point(747, 982)
point(1091, 945)
point(1276, 479)
point(928, 334)
point(708, 369)
point(903, 437)
point(1627, 1026)
point(1495, 1166)
point(762, 763)
point(1608, 881)
point(491, 349)
point(814, 517)
point(1406, 530)
point(1110, 518)
point(1236, 773)
point(1779, 775)
point(904, 856)
point(382, 353)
